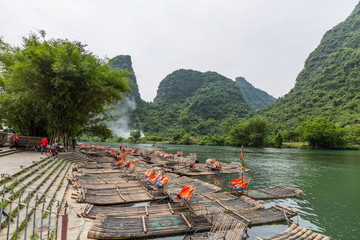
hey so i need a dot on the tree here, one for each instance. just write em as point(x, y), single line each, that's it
point(279, 140)
point(320, 133)
point(251, 133)
point(55, 87)
point(135, 136)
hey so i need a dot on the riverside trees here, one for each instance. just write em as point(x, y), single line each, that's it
point(55, 87)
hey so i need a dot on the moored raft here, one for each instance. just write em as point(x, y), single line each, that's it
point(220, 202)
point(273, 214)
point(119, 195)
point(176, 184)
point(114, 227)
point(296, 232)
point(279, 191)
point(91, 211)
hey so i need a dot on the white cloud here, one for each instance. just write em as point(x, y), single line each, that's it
point(266, 41)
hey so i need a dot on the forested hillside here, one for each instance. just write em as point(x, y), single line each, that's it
point(194, 102)
point(329, 84)
point(256, 98)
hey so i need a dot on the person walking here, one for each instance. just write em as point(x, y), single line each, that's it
point(44, 143)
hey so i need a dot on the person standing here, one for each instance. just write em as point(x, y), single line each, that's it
point(16, 141)
point(44, 142)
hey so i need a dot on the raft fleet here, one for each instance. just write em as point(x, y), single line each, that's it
point(169, 201)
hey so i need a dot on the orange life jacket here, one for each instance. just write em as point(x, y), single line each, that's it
point(186, 192)
point(149, 173)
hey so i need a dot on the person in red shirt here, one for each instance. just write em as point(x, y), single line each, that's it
point(44, 143)
point(16, 141)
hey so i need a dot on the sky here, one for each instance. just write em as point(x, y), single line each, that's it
point(264, 41)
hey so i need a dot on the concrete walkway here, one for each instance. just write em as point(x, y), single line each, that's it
point(13, 163)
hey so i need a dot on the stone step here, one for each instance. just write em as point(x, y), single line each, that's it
point(58, 189)
point(25, 173)
point(33, 186)
point(43, 194)
point(30, 180)
point(8, 152)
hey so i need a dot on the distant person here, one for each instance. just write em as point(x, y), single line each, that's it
point(120, 147)
point(44, 143)
point(16, 141)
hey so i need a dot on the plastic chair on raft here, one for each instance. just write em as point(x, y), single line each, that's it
point(118, 163)
point(238, 184)
point(149, 173)
point(216, 166)
point(186, 193)
point(153, 179)
point(209, 161)
point(161, 182)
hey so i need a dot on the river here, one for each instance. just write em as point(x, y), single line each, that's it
point(330, 180)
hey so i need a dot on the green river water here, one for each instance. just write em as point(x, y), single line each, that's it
point(330, 180)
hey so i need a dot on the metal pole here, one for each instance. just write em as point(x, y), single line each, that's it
point(49, 224)
point(9, 214)
point(34, 223)
point(42, 217)
point(2, 204)
point(18, 216)
point(64, 224)
point(57, 219)
point(26, 214)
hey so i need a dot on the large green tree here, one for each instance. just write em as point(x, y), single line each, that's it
point(320, 133)
point(55, 87)
point(251, 133)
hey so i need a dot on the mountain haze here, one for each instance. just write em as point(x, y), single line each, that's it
point(125, 113)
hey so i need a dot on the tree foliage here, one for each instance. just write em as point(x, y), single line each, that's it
point(320, 133)
point(251, 133)
point(329, 84)
point(55, 86)
point(256, 98)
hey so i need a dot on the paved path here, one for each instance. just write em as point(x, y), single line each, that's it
point(10, 164)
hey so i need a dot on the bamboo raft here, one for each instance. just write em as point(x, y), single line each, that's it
point(296, 232)
point(201, 204)
point(279, 191)
point(119, 195)
point(176, 184)
point(224, 227)
point(113, 227)
point(91, 211)
point(273, 214)
point(202, 169)
point(220, 202)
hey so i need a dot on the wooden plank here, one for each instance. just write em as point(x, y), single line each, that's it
point(186, 221)
point(172, 212)
point(143, 222)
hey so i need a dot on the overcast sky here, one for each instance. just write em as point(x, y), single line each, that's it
point(265, 41)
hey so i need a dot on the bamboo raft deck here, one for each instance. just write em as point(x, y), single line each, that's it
point(224, 227)
point(91, 211)
point(202, 169)
point(279, 191)
point(270, 215)
point(113, 227)
point(296, 232)
point(220, 202)
point(119, 195)
point(176, 184)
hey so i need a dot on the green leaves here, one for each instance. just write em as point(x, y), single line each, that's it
point(320, 133)
point(55, 86)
